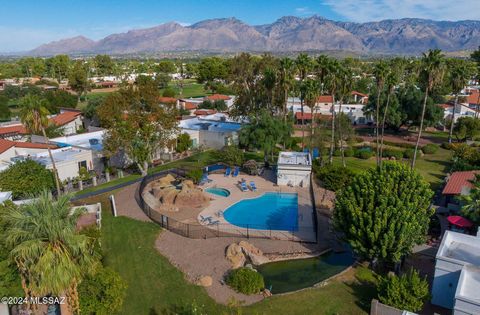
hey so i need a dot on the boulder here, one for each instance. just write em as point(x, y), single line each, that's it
point(255, 254)
point(235, 256)
point(204, 281)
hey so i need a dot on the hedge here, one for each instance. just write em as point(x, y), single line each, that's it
point(430, 148)
point(246, 280)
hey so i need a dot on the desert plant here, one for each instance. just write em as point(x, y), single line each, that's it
point(195, 175)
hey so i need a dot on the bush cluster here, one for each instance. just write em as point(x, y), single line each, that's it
point(397, 154)
point(400, 145)
point(334, 177)
point(430, 148)
point(408, 153)
point(246, 280)
point(364, 153)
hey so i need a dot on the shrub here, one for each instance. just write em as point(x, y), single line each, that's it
point(447, 146)
point(349, 152)
point(26, 178)
point(407, 292)
point(183, 142)
point(408, 153)
point(430, 148)
point(168, 92)
point(195, 175)
point(337, 152)
point(397, 154)
point(364, 153)
point(245, 280)
point(232, 155)
point(400, 144)
point(102, 293)
point(334, 177)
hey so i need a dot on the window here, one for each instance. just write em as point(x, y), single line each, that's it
point(82, 164)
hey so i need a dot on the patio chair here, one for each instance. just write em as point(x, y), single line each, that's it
point(253, 186)
point(236, 171)
point(213, 222)
point(227, 171)
point(243, 186)
point(205, 219)
point(219, 213)
point(204, 179)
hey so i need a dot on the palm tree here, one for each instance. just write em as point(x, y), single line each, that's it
point(459, 75)
point(431, 74)
point(34, 116)
point(50, 254)
point(303, 63)
point(391, 81)
point(344, 90)
point(322, 65)
point(331, 81)
point(286, 81)
point(380, 72)
point(310, 89)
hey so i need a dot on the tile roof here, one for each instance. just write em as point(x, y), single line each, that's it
point(190, 105)
point(7, 144)
point(359, 94)
point(167, 100)
point(217, 97)
point(64, 118)
point(459, 180)
point(202, 112)
point(325, 99)
point(473, 97)
point(15, 129)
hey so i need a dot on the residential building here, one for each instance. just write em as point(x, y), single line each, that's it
point(13, 131)
point(229, 100)
point(12, 151)
point(359, 98)
point(294, 169)
point(71, 121)
point(456, 284)
point(458, 183)
point(461, 110)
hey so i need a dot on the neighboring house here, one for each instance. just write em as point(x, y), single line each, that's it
point(12, 151)
point(212, 131)
point(189, 105)
point(359, 98)
point(294, 169)
point(220, 97)
point(164, 100)
point(462, 110)
point(473, 98)
point(458, 183)
point(456, 284)
point(204, 112)
point(71, 121)
point(14, 132)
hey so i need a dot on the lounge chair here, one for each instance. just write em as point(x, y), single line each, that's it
point(243, 186)
point(219, 213)
point(204, 179)
point(253, 186)
point(227, 171)
point(205, 219)
point(213, 222)
point(236, 171)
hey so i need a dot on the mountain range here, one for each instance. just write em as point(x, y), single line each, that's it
point(287, 34)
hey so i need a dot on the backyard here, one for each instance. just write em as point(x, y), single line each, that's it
point(157, 287)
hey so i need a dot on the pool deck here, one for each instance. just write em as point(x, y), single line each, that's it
point(218, 203)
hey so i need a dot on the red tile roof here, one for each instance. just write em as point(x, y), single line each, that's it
point(325, 99)
point(190, 105)
point(64, 118)
point(218, 97)
point(202, 112)
point(473, 97)
point(359, 94)
point(7, 144)
point(444, 106)
point(167, 100)
point(459, 180)
point(16, 129)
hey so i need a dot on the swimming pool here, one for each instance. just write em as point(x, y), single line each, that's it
point(218, 191)
point(271, 211)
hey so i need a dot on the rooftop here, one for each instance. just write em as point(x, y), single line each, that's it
point(209, 125)
point(59, 155)
point(65, 117)
point(88, 140)
point(294, 158)
point(458, 181)
point(13, 129)
point(217, 97)
point(469, 284)
point(461, 248)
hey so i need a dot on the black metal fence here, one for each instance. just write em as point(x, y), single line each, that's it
point(214, 229)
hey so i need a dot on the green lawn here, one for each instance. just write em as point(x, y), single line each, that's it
point(432, 167)
point(157, 287)
point(190, 89)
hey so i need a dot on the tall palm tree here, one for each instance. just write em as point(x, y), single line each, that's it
point(322, 65)
point(303, 64)
point(431, 73)
point(332, 83)
point(460, 73)
point(34, 116)
point(345, 82)
point(380, 72)
point(50, 254)
point(391, 81)
point(310, 89)
point(287, 75)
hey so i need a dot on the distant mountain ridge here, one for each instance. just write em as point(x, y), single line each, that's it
point(287, 34)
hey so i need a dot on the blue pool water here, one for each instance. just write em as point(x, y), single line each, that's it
point(218, 191)
point(271, 211)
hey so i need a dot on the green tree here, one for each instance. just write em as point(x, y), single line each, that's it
point(34, 116)
point(466, 128)
point(183, 142)
point(137, 126)
point(381, 71)
point(406, 292)
point(210, 69)
point(384, 212)
point(104, 65)
point(304, 64)
point(5, 112)
point(102, 293)
point(460, 73)
point(168, 92)
point(51, 256)
point(334, 177)
point(286, 81)
point(57, 99)
point(162, 80)
point(166, 66)
point(232, 155)
point(58, 67)
point(471, 202)
point(78, 79)
point(432, 70)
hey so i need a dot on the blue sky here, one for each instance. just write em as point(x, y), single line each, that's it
point(27, 24)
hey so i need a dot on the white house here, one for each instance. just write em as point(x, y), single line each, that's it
point(461, 110)
point(13, 131)
point(12, 151)
point(70, 120)
point(294, 169)
point(456, 284)
point(228, 99)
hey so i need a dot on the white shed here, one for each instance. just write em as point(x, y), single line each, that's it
point(294, 169)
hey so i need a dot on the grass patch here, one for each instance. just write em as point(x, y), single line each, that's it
point(190, 89)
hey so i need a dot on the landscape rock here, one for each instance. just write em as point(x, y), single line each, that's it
point(204, 281)
point(253, 253)
point(235, 256)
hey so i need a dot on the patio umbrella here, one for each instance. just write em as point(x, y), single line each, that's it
point(459, 221)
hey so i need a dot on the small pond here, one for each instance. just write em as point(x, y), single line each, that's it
point(296, 274)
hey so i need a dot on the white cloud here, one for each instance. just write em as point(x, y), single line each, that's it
point(374, 10)
point(304, 11)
